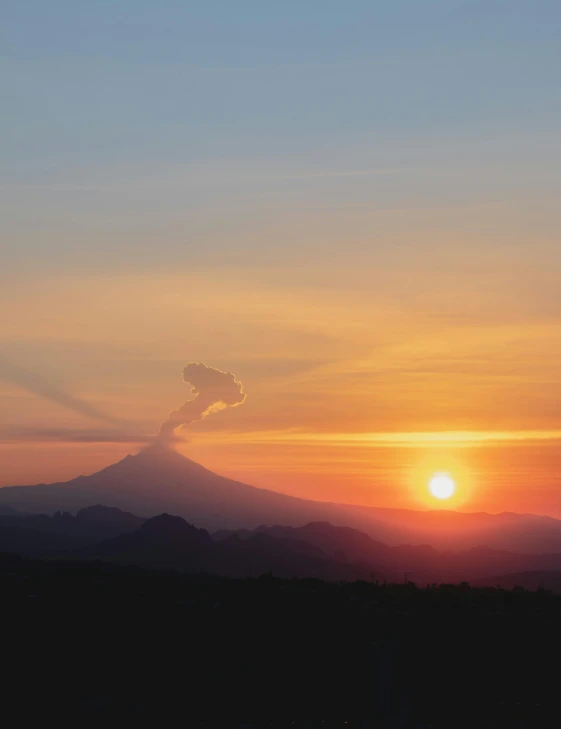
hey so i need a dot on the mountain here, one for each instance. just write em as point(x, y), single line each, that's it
point(319, 549)
point(162, 541)
point(169, 542)
point(9, 511)
point(158, 479)
point(44, 535)
point(422, 563)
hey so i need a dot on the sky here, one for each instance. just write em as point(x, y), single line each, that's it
point(353, 207)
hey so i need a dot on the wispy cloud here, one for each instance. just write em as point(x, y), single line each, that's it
point(179, 179)
point(15, 434)
point(457, 438)
point(326, 174)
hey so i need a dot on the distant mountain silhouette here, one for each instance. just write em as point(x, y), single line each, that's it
point(423, 564)
point(317, 549)
point(9, 511)
point(44, 535)
point(159, 479)
point(163, 541)
point(170, 542)
point(106, 520)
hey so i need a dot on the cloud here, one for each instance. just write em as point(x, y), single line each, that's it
point(38, 385)
point(213, 390)
point(10, 434)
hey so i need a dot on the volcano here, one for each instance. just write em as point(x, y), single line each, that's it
point(158, 479)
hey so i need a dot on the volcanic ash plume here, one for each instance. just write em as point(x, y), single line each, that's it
point(213, 390)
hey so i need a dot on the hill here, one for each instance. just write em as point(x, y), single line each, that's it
point(319, 550)
point(44, 535)
point(101, 642)
point(530, 580)
point(421, 564)
point(169, 542)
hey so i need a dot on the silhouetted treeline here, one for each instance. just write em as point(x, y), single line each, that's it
point(109, 643)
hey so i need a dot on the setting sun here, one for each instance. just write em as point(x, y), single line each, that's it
point(442, 486)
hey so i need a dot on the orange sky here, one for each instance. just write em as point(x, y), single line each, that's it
point(361, 380)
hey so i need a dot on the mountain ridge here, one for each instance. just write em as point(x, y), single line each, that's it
point(316, 550)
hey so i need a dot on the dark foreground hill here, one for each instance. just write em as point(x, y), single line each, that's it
point(530, 580)
point(90, 643)
point(160, 480)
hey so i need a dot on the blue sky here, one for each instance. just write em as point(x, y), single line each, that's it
point(99, 92)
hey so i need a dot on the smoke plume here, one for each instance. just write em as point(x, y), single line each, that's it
point(213, 390)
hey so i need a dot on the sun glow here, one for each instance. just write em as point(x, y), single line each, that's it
point(442, 486)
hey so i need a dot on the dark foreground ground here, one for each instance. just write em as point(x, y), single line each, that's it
point(92, 642)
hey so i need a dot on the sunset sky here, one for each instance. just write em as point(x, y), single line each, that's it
point(354, 207)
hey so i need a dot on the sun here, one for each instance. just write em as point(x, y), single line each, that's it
point(442, 486)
